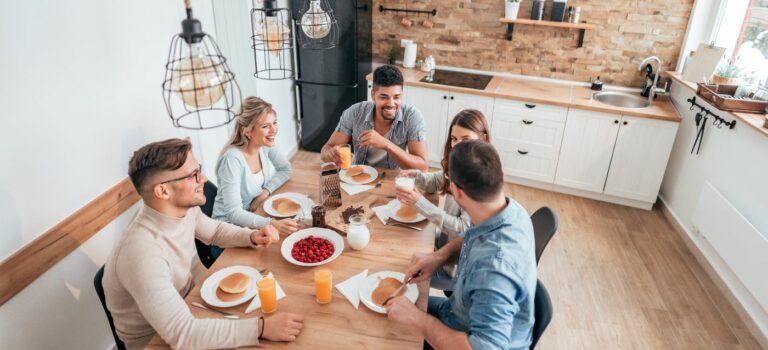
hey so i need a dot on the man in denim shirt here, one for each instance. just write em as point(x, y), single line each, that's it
point(384, 133)
point(492, 302)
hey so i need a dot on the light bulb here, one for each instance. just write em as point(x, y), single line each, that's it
point(275, 34)
point(198, 81)
point(316, 23)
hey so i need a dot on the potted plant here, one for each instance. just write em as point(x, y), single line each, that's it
point(511, 7)
point(726, 74)
point(392, 56)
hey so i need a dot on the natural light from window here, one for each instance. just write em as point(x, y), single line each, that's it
point(743, 30)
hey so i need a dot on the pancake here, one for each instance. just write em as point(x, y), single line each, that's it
point(235, 283)
point(286, 206)
point(227, 297)
point(362, 177)
point(355, 170)
point(407, 213)
point(385, 288)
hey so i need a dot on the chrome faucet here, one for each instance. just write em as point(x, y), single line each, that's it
point(652, 90)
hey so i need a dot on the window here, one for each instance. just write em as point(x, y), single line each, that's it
point(743, 29)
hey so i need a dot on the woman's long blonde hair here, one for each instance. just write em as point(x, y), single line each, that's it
point(252, 110)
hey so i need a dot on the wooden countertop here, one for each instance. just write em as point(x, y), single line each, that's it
point(336, 325)
point(557, 94)
point(754, 120)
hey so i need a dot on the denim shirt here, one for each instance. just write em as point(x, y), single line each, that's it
point(494, 290)
point(408, 126)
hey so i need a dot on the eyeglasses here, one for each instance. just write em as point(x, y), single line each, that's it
point(197, 174)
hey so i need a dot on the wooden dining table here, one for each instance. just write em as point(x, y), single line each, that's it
point(337, 325)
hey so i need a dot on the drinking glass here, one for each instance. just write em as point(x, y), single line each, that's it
point(323, 286)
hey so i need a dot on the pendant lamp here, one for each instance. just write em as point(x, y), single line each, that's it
point(318, 27)
point(199, 89)
point(271, 41)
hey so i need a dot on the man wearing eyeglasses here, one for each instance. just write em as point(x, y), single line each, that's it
point(150, 270)
point(492, 302)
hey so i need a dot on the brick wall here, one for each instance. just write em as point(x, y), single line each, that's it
point(468, 34)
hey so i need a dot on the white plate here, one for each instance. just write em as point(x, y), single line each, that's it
point(367, 169)
point(288, 242)
point(372, 281)
point(306, 203)
point(394, 206)
point(208, 290)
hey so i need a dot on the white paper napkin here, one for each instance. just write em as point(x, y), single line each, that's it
point(256, 302)
point(382, 212)
point(350, 288)
point(355, 189)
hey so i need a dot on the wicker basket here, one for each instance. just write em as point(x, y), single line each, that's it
point(721, 96)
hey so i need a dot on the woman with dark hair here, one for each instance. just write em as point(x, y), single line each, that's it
point(469, 124)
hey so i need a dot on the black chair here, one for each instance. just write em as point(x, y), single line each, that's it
point(542, 311)
point(208, 253)
point(100, 292)
point(544, 227)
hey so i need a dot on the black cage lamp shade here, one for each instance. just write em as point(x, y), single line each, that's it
point(271, 41)
point(317, 27)
point(199, 90)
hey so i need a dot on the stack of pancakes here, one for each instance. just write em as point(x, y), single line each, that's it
point(358, 173)
point(286, 206)
point(233, 287)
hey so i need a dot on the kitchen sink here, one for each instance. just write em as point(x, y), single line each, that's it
point(621, 99)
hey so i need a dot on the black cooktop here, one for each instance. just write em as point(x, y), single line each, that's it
point(465, 80)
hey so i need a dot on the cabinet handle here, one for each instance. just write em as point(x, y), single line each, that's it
point(522, 152)
point(530, 105)
point(527, 122)
point(615, 121)
point(451, 97)
point(445, 97)
point(625, 123)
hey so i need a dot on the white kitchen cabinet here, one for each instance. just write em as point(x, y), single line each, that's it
point(585, 154)
point(640, 158)
point(370, 87)
point(438, 108)
point(527, 137)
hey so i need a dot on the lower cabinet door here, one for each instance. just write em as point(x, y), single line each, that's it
point(640, 158)
point(585, 154)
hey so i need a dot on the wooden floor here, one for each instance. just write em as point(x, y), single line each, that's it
point(622, 278)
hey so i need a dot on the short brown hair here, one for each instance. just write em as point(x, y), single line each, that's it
point(157, 156)
point(475, 167)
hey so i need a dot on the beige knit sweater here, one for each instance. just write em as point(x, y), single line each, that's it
point(150, 272)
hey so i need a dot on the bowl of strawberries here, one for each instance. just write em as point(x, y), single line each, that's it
point(312, 247)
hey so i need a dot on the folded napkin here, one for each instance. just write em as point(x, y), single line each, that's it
point(355, 189)
point(350, 288)
point(256, 302)
point(383, 213)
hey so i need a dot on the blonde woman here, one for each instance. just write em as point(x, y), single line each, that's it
point(250, 168)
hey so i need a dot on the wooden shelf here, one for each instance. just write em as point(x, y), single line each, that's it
point(582, 27)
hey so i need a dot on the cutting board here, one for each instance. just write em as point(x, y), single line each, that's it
point(334, 219)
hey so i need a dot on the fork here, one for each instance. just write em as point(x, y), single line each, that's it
point(225, 314)
point(378, 183)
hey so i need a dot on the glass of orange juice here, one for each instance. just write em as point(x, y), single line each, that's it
point(323, 286)
point(267, 295)
point(345, 152)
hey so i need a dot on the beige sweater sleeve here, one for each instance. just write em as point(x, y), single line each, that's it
point(220, 233)
point(147, 277)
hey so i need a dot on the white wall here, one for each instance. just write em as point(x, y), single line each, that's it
point(80, 92)
point(734, 162)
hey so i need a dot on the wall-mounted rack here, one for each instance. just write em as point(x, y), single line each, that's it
point(432, 12)
point(582, 27)
point(701, 123)
point(719, 122)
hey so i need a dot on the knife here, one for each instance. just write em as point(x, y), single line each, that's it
point(394, 294)
point(383, 173)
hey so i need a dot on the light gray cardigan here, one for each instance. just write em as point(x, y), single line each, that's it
point(452, 220)
point(237, 186)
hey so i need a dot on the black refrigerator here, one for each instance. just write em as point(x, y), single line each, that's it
point(329, 81)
